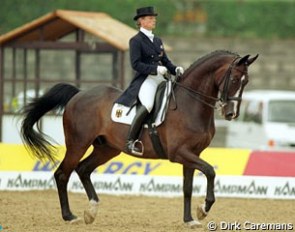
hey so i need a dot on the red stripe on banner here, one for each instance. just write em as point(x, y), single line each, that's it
point(271, 163)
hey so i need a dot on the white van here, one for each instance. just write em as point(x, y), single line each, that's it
point(266, 121)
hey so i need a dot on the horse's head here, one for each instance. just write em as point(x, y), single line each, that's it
point(231, 79)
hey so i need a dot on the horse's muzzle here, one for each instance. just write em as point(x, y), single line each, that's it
point(229, 111)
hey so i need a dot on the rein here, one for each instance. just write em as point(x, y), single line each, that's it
point(196, 94)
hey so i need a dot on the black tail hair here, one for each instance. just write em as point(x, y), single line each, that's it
point(35, 141)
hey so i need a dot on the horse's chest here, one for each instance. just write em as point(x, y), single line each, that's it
point(206, 138)
point(203, 140)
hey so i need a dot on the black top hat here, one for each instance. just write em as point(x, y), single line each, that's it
point(145, 11)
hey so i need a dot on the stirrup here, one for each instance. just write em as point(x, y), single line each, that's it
point(134, 148)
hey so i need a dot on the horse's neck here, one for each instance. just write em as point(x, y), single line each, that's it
point(201, 81)
point(202, 78)
point(191, 104)
point(199, 105)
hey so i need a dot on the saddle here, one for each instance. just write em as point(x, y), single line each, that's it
point(125, 115)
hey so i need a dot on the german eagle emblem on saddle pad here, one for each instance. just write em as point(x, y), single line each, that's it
point(125, 115)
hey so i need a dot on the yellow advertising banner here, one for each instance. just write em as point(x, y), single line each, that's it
point(225, 162)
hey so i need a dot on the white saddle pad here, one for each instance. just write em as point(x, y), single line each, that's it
point(121, 114)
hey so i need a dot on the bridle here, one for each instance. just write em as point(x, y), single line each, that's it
point(201, 97)
point(226, 79)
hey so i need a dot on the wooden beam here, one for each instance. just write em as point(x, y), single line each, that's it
point(37, 71)
point(25, 75)
point(122, 70)
point(1, 88)
point(77, 46)
point(78, 69)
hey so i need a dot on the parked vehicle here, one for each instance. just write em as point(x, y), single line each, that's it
point(266, 121)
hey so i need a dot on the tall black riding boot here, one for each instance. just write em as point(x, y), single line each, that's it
point(134, 131)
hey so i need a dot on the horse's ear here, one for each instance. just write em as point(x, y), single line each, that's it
point(243, 60)
point(246, 60)
point(251, 60)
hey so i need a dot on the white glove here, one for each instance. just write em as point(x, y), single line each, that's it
point(179, 70)
point(162, 70)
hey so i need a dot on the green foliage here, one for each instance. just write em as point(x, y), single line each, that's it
point(251, 18)
point(241, 18)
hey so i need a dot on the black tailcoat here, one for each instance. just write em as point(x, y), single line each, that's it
point(145, 56)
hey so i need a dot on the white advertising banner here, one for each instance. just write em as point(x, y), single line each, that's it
point(225, 186)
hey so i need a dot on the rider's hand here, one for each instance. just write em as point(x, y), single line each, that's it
point(179, 70)
point(161, 70)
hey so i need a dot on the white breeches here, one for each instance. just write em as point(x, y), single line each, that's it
point(147, 91)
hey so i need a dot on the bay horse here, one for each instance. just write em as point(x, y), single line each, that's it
point(218, 77)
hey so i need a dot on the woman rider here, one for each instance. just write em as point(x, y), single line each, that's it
point(149, 60)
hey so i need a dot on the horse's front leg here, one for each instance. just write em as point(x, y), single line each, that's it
point(192, 161)
point(188, 177)
point(208, 171)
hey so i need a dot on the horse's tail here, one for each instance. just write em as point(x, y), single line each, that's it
point(55, 98)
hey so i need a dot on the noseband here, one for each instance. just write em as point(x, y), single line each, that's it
point(224, 92)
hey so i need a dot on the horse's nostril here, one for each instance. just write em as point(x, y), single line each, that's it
point(229, 116)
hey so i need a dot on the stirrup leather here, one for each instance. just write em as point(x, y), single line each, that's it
point(134, 148)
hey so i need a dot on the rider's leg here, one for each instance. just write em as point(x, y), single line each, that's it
point(148, 91)
point(146, 96)
point(134, 129)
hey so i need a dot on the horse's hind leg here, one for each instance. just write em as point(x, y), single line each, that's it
point(100, 155)
point(62, 175)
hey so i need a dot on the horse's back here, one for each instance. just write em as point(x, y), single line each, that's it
point(103, 90)
point(101, 94)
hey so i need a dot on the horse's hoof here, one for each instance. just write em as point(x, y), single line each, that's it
point(201, 213)
point(193, 224)
point(69, 217)
point(90, 214)
point(76, 221)
point(88, 217)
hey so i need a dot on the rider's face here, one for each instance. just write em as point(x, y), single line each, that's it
point(148, 22)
